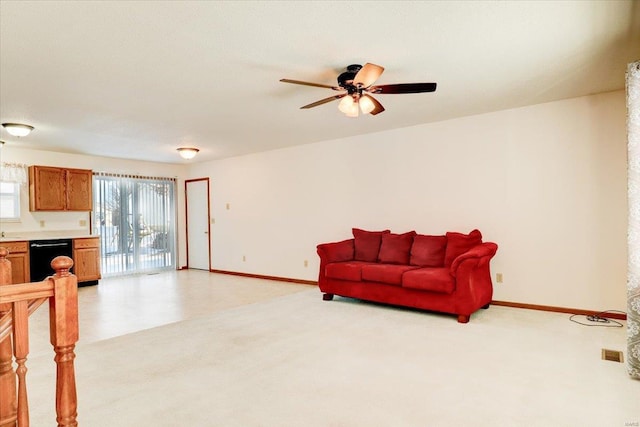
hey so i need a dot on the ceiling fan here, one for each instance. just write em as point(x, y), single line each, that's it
point(356, 85)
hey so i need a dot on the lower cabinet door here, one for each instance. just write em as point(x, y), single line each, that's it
point(19, 268)
point(86, 259)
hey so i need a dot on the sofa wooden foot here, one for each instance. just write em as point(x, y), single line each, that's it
point(463, 318)
point(486, 306)
point(327, 297)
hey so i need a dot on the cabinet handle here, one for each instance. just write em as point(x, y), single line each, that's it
point(48, 245)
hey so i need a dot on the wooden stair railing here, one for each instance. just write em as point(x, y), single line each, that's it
point(17, 302)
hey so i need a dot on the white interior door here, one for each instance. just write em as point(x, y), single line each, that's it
point(197, 209)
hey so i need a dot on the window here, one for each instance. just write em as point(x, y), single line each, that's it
point(10, 201)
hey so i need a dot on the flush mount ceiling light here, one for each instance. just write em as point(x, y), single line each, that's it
point(17, 129)
point(188, 152)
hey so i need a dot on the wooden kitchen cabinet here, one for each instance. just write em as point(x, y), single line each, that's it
point(19, 258)
point(86, 259)
point(79, 190)
point(60, 189)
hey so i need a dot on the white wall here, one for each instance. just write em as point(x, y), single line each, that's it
point(545, 182)
point(70, 221)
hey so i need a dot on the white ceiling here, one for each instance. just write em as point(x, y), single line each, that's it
point(138, 79)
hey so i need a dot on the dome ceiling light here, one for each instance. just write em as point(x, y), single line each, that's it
point(188, 152)
point(17, 129)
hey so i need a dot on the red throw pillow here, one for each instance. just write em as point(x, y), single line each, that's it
point(458, 243)
point(428, 251)
point(367, 244)
point(395, 248)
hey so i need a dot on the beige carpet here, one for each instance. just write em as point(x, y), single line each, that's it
point(296, 360)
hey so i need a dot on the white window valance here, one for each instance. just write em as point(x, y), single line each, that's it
point(13, 172)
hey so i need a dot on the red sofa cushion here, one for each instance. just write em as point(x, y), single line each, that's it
point(367, 244)
point(395, 248)
point(390, 274)
point(429, 279)
point(428, 251)
point(459, 243)
point(349, 270)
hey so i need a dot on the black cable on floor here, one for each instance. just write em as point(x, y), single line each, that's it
point(599, 320)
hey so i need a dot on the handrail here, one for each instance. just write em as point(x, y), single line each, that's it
point(17, 302)
point(26, 291)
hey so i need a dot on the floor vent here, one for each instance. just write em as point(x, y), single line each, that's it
point(612, 355)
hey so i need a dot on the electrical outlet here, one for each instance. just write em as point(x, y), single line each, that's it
point(213, 220)
point(83, 223)
point(42, 223)
point(228, 206)
point(244, 258)
point(498, 277)
point(306, 263)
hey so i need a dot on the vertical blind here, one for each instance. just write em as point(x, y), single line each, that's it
point(135, 218)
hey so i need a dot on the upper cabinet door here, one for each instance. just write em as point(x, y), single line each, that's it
point(79, 194)
point(46, 188)
point(60, 189)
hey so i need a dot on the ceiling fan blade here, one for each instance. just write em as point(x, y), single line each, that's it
point(300, 82)
point(378, 108)
point(404, 88)
point(367, 75)
point(323, 101)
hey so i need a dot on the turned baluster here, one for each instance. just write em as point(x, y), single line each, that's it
point(63, 322)
point(20, 317)
point(8, 403)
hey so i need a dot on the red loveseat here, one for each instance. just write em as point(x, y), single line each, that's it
point(447, 273)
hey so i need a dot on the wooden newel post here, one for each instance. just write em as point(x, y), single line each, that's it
point(63, 327)
point(5, 271)
point(8, 401)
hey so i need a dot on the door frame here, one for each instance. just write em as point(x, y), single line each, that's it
point(186, 217)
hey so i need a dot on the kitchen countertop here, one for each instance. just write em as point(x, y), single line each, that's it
point(41, 235)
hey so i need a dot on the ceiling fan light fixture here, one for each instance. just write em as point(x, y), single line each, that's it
point(366, 104)
point(356, 83)
point(346, 104)
point(17, 129)
point(349, 106)
point(188, 152)
point(354, 111)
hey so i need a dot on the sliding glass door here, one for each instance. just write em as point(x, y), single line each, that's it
point(135, 218)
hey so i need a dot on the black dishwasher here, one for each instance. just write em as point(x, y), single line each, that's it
point(42, 252)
